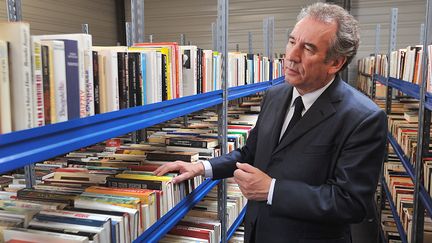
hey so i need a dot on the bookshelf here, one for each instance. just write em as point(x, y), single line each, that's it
point(422, 200)
point(394, 212)
point(32, 145)
point(25, 147)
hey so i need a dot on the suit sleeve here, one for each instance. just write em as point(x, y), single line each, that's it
point(345, 197)
point(225, 165)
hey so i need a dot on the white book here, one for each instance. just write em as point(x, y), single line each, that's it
point(37, 84)
point(5, 97)
point(105, 233)
point(41, 236)
point(208, 59)
point(111, 77)
point(18, 36)
point(153, 82)
point(131, 223)
point(85, 60)
point(189, 70)
point(59, 69)
point(159, 77)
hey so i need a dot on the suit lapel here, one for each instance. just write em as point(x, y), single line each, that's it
point(321, 110)
point(280, 113)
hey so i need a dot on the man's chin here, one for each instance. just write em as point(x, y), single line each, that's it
point(292, 80)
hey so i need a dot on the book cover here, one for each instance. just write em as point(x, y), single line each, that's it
point(18, 36)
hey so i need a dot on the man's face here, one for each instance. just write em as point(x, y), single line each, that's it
point(305, 64)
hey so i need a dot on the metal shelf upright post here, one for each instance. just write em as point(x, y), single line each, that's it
point(222, 41)
point(423, 138)
point(377, 48)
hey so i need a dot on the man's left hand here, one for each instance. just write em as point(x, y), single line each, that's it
point(254, 184)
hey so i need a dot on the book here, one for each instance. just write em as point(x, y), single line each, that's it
point(18, 36)
point(5, 97)
point(172, 156)
point(28, 235)
point(37, 84)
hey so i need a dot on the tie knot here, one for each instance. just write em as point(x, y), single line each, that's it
point(298, 104)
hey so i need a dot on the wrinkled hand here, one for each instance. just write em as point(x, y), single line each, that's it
point(254, 184)
point(187, 170)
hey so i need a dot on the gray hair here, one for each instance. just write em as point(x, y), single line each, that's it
point(347, 35)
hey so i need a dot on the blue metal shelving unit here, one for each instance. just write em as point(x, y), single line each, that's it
point(21, 148)
point(427, 201)
point(164, 224)
point(236, 223)
point(381, 79)
point(394, 212)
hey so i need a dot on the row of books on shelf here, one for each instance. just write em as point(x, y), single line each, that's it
point(46, 79)
point(108, 193)
point(401, 188)
point(403, 126)
point(404, 64)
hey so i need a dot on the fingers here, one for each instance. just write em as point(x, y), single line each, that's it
point(246, 167)
point(168, 167)
point(182, 177)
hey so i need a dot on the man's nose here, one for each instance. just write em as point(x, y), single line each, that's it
point(293, 54)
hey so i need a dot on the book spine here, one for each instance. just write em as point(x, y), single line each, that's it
point(132, 63)
point(165, 89)
point(60, 90)
point(186, 143)
point(96, 82)
point(122, 80)
point(46, 84)
point(72, 79)
point(138, 80)
point(22, 99)
point(37, 85)
point(5, 97)
point(113, 88)
point(88, 64)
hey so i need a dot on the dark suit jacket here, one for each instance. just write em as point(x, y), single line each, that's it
point(326, 168)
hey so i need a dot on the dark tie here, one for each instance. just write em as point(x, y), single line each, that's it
point(298, 103)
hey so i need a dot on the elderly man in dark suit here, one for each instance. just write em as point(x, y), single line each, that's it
point(311, 164)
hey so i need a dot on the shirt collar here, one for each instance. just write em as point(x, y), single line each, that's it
point(309, 98)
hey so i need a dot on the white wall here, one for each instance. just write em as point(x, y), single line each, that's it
point(66, 16)
point(167, 19)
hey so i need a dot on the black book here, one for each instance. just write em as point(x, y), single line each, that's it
point(132, 63)
point(122, 62)
point(96, 82)
point(164, 78)
point(46, 84)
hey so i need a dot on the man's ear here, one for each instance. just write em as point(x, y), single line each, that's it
point(336, 65)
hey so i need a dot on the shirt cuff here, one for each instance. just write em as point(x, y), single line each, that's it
point(208, 170)
point(270, 194)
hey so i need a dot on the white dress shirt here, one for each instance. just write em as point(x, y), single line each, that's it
point(308, 100)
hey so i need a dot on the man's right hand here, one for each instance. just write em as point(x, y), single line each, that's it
point(187, 170)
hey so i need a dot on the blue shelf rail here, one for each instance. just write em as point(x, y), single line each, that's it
point(236, 223)
point(381, 79)
point(21, 148)
point(412, 90)
point(405, 87)
point(396, 217)
point(164, 224)
point(249, 89)
point(425, 197)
